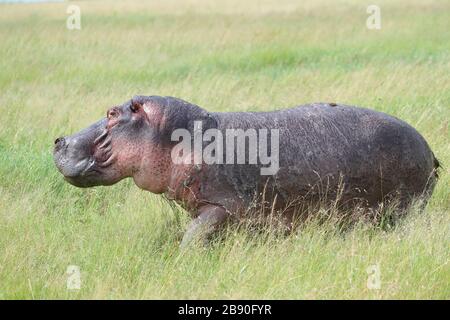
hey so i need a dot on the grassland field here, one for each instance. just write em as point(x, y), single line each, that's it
point(224, 56)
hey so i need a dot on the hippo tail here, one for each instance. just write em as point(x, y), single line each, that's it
point(437, 166)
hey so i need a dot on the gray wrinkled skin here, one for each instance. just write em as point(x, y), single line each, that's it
point(372, 156)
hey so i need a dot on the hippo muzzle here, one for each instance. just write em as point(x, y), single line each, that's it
point(75, 158)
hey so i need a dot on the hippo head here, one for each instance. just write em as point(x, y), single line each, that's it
point(133, 141)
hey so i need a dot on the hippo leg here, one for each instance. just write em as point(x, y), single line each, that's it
point(201, 228)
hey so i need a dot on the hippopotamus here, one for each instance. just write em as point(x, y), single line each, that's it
point(349, 156)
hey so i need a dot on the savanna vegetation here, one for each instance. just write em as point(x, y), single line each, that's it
point(224, 56)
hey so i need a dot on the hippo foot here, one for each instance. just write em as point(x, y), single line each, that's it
point(210, 219)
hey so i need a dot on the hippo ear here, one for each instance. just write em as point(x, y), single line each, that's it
point(135, 105)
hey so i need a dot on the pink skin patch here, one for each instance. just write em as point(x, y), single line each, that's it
point(155, 116)
point(149, 164)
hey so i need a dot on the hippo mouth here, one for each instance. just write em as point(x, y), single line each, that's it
point(103, 155)
point(84, 158)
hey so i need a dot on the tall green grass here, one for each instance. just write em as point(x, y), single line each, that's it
point(228, 56)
